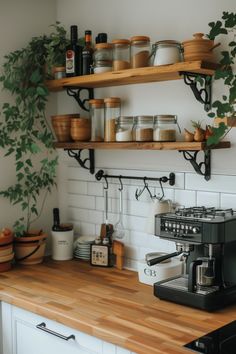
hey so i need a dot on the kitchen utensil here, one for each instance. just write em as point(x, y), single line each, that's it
point(119, 230)
point(106, 229)
point(118, 250)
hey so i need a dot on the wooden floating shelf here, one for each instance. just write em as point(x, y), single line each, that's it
point(178, 145)
point(134, 76)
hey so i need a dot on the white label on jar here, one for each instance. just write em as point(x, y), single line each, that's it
point(125, 135)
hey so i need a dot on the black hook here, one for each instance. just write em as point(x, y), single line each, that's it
point(121, 184)
point(106, 186)
point(140, 192)
point(162, 190)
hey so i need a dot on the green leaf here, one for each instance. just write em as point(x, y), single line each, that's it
point(211, 115)
point(218, 133)
point(19, 165)
point(42, 91)
point(36, 77)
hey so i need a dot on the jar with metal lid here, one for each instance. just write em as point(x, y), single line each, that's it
point(167, 52)
point(165, 128)
point(124, 128)
point(143, 128)
point(103, 53)
point(121, 54)
point(112, 111)
point(140, 51)
point(96, 107)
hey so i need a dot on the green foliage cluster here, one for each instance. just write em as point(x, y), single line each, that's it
point(226, 105)
point(24, 130)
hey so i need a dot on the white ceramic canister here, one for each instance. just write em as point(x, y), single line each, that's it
point(150, 275)
point(62, 245)
point(167, 52)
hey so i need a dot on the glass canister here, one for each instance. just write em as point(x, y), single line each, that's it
point(112, 111)
point(96, 108)
point(165, 127)
point(102, 58)
point(121, 54)
point(140, 51)
point(143, 128)
point(124, 128)
point(167, 52)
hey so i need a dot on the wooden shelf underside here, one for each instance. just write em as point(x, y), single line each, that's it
point(133, 76)
point(178, 145)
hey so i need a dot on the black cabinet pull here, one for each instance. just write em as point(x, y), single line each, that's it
point(42, 327)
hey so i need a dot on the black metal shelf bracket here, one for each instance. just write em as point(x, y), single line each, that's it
point(203, 93)
point(87, 163)
point(202, 168)
point(76, 93)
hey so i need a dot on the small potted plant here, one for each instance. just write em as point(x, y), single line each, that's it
point(225, 105)
point(26, 135)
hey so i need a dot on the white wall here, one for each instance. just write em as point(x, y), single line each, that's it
point(19, 22)
point(80, 196)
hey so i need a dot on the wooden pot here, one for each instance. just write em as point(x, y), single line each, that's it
point(199, 48)
point(61, 125)
point(81, 129)
point(30, 249)
point(6, 247)
point(6, 262)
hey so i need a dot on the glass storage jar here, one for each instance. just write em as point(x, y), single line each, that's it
point(124, 128)
point(165, 128)
point(112, 111)
point(102, 57)
point(121, 54)
point(167, 52)
point(140, 51)
point(96, 108)
point(143, 128)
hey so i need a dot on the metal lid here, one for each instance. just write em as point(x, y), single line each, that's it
point(165, 118)
point(168, 43)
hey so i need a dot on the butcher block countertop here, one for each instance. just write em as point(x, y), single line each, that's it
point(109, 304)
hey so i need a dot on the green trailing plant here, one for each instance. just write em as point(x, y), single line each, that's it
point(24, 130)
point(224, 106)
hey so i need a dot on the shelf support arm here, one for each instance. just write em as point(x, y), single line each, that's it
point(87, 163)
point(204, 94)
point(202, 168)
point(76, 93)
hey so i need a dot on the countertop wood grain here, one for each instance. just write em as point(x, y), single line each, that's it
point(109, 304)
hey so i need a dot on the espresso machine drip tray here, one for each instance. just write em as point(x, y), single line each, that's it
point(181, 283)
point(220, 341)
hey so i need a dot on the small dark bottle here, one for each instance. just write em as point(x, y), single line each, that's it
point(101, 38)
point(56, 220)
point(73, 55)
point(87, 54)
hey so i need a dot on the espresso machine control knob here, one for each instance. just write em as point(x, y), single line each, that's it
point(195, 230)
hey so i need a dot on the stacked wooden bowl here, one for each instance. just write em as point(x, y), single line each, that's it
point(199, 49)
point(70, 127)
point(6, 250)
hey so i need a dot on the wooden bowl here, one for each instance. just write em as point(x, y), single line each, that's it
point(80, 129)
point(61, 125)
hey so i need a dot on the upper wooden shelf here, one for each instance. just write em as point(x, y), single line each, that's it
point(134, 76)
point(178, 145)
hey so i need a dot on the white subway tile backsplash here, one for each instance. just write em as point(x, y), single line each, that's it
point(208, 199)
point(228, 201)
point(100, 204)
point(185, 198)
point(78, 173)
point(217, 183)
point(139, 239)
point(95, 188)
point(77, 187)
point(87, 229)
point(81, 201)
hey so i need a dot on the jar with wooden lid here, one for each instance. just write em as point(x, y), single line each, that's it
point(112, 111)
point(59, 72)
point(124, 128)
point(143, 128)
point(140, 51)
point(121, 54)
point(102, 57)
point(165, 127)
point(96, 108)
point(167, 52)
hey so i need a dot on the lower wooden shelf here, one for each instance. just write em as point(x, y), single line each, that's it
point(177, 145)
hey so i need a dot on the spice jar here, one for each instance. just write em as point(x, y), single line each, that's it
point(102, 57)
point(165, 128)
point(112, 111)
point(96, 108)
point(143, 128)
point(124, 127)
point(167, 52)
point(140, 51)
point(121, 54)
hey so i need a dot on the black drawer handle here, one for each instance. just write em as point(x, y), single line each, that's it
point(43, 327)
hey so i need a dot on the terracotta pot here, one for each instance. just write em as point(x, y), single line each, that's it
point(61, 125)
point(81, 129)
point(30, 249)
point(6, 245)
point(6, 262)
point(199, 48)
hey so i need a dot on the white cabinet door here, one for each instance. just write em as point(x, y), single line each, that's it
point(23, 335)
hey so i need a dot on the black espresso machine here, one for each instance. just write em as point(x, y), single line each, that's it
point(206, 239)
